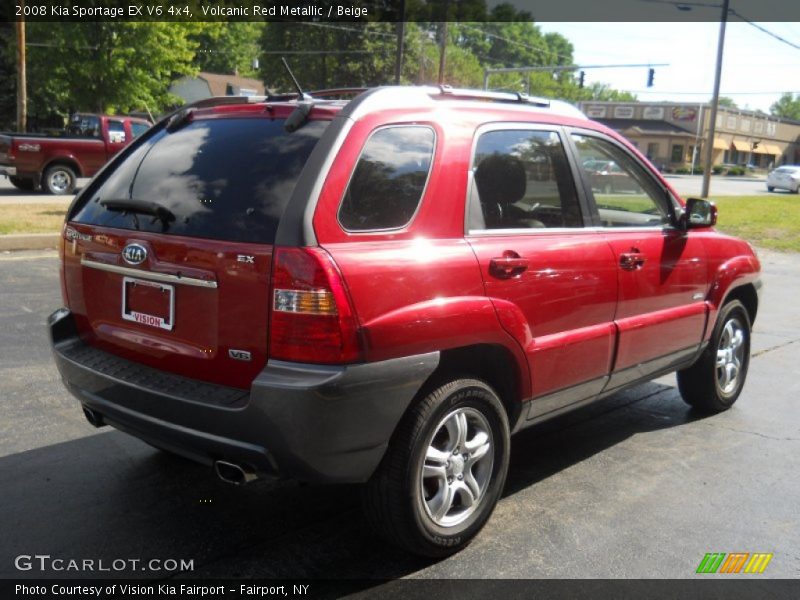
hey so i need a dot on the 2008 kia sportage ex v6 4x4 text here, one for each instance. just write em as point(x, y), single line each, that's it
point(382, 290)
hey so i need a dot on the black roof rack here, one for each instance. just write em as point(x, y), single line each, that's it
point(337, 92)
point(445, 91)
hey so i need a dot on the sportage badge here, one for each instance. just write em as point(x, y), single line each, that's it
point(134, 254)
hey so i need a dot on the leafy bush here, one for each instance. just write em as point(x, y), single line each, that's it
point(735, 171)
point(717, 169)
point(683, 170)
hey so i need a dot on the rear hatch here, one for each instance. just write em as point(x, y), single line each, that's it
point(168, 253)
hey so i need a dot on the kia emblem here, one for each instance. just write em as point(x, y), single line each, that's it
point(134, 254)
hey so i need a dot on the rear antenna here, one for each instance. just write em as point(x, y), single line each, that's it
point(302, 94)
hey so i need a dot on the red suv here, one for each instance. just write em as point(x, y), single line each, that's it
point(382, 290)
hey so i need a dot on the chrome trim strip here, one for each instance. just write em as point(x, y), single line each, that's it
point(569, 230)
point(163, 277)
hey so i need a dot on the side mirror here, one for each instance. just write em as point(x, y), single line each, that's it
point(699, 213)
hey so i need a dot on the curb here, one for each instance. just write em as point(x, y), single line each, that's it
point(28, 241)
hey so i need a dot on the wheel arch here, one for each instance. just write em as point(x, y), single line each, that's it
point(737, 278)
point(492, 363)
point(65, 161)
point(748, 296)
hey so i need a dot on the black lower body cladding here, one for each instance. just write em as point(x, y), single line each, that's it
point(308, 422)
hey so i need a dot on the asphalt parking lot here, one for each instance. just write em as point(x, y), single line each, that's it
point(637, 486)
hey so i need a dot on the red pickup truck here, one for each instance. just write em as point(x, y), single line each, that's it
point(55, 162)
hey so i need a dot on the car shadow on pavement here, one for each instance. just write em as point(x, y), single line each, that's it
point(552, 446)
point(109, 496)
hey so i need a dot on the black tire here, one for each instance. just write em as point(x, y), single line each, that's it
point(59, 179)
point(700, 385)
point(770, 188)
point(26, 185)
point(397, 500)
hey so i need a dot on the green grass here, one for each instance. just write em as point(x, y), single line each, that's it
point(32, 218)
point(771, 221)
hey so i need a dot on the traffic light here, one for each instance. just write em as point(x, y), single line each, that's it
point(581, 77)
point(650, 74)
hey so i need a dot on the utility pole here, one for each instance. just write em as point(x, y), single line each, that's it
point(22, 94)
point(443, 44)
point(401, 34)
point(442, 52)
point(712, 125)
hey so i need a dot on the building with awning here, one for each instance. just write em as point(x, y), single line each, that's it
point(672, 134)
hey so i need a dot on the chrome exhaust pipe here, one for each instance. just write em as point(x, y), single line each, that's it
point(232, 473)
point(94, 417)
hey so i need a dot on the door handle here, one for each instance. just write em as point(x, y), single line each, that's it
point(632, 261)
point(507, 266)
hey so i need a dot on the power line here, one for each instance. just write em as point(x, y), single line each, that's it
point(350, 29)
point(689, 5)
point(724, 93)
point(764, 30)
point(541, 49)
point(316, 52)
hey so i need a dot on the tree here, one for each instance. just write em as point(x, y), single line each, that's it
point(726, 102)
point(106, 66)
point(787, 106)
point(228, 47)
point(326, 55)
point(8, 73)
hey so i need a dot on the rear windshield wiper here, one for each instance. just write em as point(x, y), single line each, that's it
point(141, 207)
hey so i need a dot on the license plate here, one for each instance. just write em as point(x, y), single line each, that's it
point(148, 303)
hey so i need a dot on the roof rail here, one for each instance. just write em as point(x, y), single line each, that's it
point(445, 92)
point(336, 92)
point(223, 100)
point(468, 94)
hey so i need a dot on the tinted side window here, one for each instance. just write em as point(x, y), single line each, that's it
point(84, 126)
point(389, 178)
point(624, 194)
point(138, 129)
point(226, 178)
point(522, 181)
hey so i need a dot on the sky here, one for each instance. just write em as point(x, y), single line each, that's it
point(756, 69)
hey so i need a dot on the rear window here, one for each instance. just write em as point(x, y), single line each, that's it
point(227, 179)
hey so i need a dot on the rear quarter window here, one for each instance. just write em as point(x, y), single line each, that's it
point(389, 179)
point(222, 178)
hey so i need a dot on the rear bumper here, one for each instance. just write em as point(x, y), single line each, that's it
point(308, 422)
point(8, 171)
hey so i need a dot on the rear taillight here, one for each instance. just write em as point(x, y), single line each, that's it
point(312, 319)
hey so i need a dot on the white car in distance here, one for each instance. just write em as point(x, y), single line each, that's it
point(786, 177)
